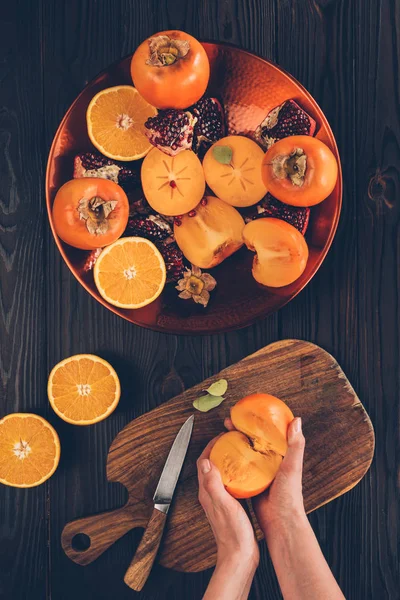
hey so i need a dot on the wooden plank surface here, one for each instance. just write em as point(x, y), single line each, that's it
point(339, 450)
point(346, 52)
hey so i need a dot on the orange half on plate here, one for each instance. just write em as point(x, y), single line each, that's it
point(115, 121)
point(130, 273)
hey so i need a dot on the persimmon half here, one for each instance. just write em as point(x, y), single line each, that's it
point(249, 458)
point(281, 251)
point(300, 170)
point(90, 213)
point(170, 69)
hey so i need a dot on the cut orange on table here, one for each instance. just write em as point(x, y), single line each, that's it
point(130, 273)
point(29, 450)
point(83, 389)
point(115, 120)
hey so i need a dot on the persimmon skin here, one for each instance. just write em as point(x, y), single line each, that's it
point(263, 417)
point(320, 176)
point(249, 457)
point(69, 225)
point(174, 86)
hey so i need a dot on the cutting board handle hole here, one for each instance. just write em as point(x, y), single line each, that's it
point(81, 542)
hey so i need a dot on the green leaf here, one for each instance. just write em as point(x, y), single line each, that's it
point(223, 154)
point(218, 388)
point(207, 402)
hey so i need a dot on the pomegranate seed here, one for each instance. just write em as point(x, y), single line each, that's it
point(172, 184)
point(203, 202)
point(192, 213)
point(177, 222)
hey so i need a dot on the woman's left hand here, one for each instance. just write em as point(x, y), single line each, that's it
point(229, 522)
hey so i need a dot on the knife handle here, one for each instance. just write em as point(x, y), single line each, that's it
point(140, 567)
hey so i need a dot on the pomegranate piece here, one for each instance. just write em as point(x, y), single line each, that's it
point(210, 126)
point(171, 130)
point(94, 164)
point(173, 258)
point(298, 216)
point(151, 227)
point(91, 259)
point(282, 121)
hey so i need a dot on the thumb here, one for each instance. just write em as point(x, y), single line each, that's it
point(292, 463)
point(210, 481)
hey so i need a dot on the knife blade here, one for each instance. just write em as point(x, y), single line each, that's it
point(140, 567)
point(169, 477)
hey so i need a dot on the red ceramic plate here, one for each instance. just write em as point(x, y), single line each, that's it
point(249, 88)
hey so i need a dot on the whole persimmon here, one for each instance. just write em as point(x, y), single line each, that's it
point(170, 69)
point(249, 458)
point(90, 213)
point(300, 170)
point(281, 251)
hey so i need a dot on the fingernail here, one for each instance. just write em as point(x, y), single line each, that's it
point(297, 425)
point(205, 466)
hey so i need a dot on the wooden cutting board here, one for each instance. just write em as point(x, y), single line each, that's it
point(339, 449)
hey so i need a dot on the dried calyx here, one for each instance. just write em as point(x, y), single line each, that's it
point(95, 211)
point(164, 51)
point(196, 285)
point(292, 166)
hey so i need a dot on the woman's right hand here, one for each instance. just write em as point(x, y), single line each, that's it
point(283, 501)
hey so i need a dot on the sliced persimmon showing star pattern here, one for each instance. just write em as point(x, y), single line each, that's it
point(83, 389)
point(173, 185)
point(238, 172)
point(239, 181)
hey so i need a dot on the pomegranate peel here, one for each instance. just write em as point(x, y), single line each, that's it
point(282, 121)
point(298, 216)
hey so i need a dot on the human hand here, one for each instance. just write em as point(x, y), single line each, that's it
point(229, 522)
point(283, 501)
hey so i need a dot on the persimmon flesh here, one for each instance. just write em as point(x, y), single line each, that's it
point(249, 458)
point(281, 251)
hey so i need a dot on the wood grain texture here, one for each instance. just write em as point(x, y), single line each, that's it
point(346, 52)
point(23, 520)
point(339, 449)
point(142, 563)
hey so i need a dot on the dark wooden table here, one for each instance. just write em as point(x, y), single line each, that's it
point(346, 53)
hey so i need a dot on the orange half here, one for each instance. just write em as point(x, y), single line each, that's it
point(130, 273)
point(115, 121)
point(29, 450)
point(83, 389)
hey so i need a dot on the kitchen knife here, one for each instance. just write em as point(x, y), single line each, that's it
point(140, 567)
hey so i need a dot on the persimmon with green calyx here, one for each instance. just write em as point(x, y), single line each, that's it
point(210, 233)
point(281, 251)
point(232, 168)
point(171, 69)
point(300, 170)
point(249, 458)
point(90, 213)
